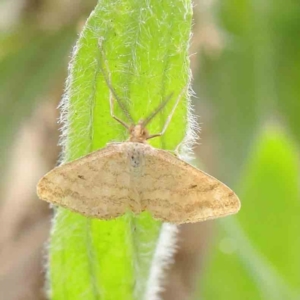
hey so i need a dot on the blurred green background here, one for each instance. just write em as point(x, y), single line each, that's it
point(246, 68)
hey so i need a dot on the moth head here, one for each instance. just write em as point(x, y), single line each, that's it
point(138, 133)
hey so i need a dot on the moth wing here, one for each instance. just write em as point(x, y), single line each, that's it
point(176, 192)
point(96, 185)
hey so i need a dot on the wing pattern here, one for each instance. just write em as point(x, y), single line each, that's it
point(96, 185)
point(137, 177)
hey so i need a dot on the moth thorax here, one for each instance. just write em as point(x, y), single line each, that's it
point(138, 133)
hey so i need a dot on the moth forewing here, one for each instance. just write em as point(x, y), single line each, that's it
point(95, 185)
point(176, 192)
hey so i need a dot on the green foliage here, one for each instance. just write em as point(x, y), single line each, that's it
point(253, 89)
point(144, 52)
point(256, 253)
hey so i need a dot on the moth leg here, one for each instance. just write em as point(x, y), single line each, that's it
point(170, 115)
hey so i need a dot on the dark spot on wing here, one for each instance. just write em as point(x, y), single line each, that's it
point(231, 194)
point(192, 186)
point(211, 187)
point(81, 177)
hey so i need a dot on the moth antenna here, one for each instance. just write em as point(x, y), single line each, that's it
point(157, 110)
point(170, 115)
point(112, 90)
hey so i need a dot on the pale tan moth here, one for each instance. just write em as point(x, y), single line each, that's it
point(134, 176)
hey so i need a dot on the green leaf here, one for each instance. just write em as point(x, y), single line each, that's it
point(257, 251)
point(144, 51)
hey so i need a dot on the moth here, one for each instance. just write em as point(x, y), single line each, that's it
point(134, 176)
